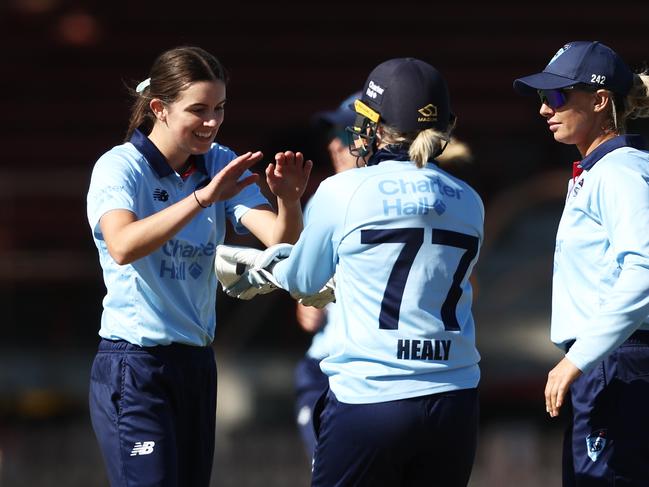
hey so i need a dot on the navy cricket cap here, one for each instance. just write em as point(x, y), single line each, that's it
point(342, 116)
point(409, 95)
point(584, 62)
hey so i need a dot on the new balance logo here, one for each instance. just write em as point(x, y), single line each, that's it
point(143, 448)
point(160, 194)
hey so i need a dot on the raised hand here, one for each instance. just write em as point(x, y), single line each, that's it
point(288, 176)
point(226, 183)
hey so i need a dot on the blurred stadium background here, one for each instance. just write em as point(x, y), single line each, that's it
point(65, 65)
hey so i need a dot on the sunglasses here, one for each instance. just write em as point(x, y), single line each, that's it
point(556, 98)
point(552, 98)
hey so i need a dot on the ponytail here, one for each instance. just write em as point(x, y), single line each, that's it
point(141, 115)
point(427, 145)
point(422, 146)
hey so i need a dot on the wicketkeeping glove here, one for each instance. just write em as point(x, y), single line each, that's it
point(322, 298)
point(246, 272)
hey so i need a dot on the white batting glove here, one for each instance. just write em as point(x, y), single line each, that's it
point(322, 298)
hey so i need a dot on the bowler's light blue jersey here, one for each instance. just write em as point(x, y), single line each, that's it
point(403, 242)
point(169, 295)
point(600, 292)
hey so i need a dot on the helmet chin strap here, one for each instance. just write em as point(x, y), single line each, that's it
point(368, 155)
point(363, 140)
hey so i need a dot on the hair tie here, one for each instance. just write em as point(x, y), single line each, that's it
point(143, 85)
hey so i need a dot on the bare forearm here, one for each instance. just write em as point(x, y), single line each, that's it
point(288, 224)
point(272, 228)
point(139, 238)
point(129, 239)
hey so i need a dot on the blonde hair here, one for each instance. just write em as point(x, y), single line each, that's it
point(635, 105)
point(423, 146)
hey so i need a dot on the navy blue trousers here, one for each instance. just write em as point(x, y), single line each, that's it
point(428, 440)
point(607, 442)
point(153, 410)
point(310, 384)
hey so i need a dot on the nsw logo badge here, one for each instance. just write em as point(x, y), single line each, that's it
point(595, 443)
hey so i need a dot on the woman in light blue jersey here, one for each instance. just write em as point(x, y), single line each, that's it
point(600, 295)
point(402, 236)
point(157, 207)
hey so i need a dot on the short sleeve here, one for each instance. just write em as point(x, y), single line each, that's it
point(248, 198)
point(237, 206)
point(112, 186)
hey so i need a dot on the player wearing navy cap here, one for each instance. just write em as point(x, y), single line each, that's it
point(157, 206)
point(600, 295)
point(402, 237)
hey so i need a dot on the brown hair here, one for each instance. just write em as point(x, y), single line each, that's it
point(171, 73)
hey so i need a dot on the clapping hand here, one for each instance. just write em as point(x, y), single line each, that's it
point(287, 177)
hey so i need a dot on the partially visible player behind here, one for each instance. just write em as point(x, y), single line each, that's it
point(310, 381)
point(157, 206)
point(402, 237)
point(457, 160)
